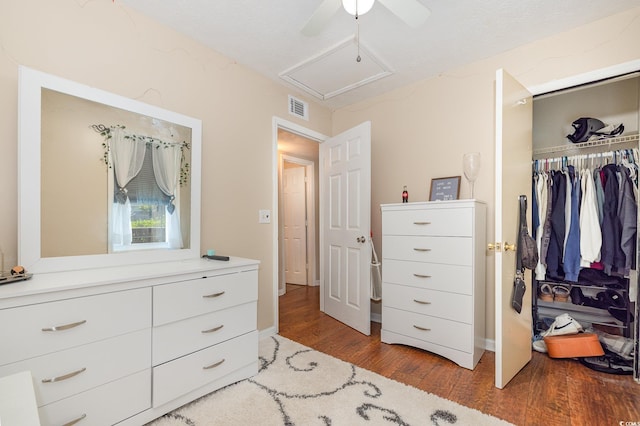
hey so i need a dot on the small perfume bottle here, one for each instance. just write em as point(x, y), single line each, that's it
point(405, 195)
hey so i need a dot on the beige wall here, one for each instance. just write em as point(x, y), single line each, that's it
point(421, 131)
point(106, 45)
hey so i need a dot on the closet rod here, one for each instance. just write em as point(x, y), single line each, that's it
point(582, 148)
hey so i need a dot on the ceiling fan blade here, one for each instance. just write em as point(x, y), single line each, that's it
point(412, 12)
point(321, 17)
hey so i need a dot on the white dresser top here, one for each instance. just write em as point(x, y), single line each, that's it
point(432, 204)
point(118, 277)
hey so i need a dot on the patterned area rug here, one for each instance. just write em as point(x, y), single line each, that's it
point(299, 386)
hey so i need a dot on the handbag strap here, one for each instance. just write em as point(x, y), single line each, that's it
point(522, 227)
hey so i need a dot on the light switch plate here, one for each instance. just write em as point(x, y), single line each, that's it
point(264, 216)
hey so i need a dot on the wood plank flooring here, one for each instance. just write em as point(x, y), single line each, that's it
point(546, 392)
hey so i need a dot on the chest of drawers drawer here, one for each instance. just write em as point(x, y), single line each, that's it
point(428, 222)
point(177, 301)
point(435, 276)
point(175, 378)
point(440, 331)
point(71, 371)
point(102, 406)
point(34, 330)
point(447, 250)
point(457, 307)
point(172, 340)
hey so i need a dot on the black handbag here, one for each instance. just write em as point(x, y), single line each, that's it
point(526, 256)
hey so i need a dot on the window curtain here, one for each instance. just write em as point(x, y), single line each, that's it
point(127, 157)
point(166, 167)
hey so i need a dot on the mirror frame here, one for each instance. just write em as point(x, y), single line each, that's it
point(31, 83)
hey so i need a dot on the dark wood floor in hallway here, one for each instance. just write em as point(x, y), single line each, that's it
point(546, 392)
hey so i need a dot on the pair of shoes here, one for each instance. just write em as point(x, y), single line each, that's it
point(558, 293)
point(563, 325)
point(578, 298)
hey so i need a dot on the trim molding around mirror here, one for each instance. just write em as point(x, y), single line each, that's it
point(31, 84)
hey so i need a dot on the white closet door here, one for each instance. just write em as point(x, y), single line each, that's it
point(514, 129)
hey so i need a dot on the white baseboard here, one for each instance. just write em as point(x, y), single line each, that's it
point(490, 345)
point(376, 317)
point(267, 332)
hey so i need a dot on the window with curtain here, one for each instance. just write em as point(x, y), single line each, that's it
point(147, 172)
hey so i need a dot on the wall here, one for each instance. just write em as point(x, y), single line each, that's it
point(106, 45)
point(421, 131)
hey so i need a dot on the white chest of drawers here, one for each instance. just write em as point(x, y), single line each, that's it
point(433, 277)
point(128, 344)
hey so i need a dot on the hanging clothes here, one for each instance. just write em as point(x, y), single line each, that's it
point(586, 215)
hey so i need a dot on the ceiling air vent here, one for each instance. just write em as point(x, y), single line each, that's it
point(298, 108)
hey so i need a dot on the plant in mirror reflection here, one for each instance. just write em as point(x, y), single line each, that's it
point(107, 133)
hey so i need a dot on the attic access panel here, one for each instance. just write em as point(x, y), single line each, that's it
point(336, 70)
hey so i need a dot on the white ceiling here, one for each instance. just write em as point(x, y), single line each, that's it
point(265, 36)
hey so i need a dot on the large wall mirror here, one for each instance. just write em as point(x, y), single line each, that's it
point(103, 180)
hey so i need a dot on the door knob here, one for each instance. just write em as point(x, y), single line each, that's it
point(494, 246)
point(361, 239)
point(508, 246)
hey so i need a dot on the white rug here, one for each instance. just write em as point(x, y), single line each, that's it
point(299, 386)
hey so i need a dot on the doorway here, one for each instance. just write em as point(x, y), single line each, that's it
point(296, 148)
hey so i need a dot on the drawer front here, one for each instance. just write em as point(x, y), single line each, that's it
point(435, 276)
point(104, 405)
point(65, 373)
point(173, 340)
point(451, 334)
point(177, 301)
point(428, 222)
point(28, 331)
point(182, 375)
point(456, 307)
point(447, 250)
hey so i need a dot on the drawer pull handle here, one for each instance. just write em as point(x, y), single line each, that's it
point(422, 328)
point(422, 249)
point(64, 377)
point(211, 330)
point(213, 365)
point(422, 223)
point(64, 327)
point(422, 302)
point(206, 296)
point(73, 422)
point(422, 276)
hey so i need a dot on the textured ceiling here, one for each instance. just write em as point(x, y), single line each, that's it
point(265, 36)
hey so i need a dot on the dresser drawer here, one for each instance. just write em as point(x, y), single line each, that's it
point(34, 330)
point(451, 334)
point(182, 375)
point(175, 339)
point(429, 222)
point(457, 307)
point(448, 250)
point(173, 302)
point(435, 276)
point(105, 405)
point(68, 372)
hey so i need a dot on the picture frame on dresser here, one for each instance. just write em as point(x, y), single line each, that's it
point(445, 189)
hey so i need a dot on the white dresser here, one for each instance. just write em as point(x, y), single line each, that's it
point(433, 277)
point(128, 344)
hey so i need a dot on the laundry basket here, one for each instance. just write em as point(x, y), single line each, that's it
point(376, 275)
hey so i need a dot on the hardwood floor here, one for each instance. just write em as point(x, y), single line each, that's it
point(546, 392)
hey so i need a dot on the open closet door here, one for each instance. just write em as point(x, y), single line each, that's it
point(514, 128)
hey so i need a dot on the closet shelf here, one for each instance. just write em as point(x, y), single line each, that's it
point(578, 148)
